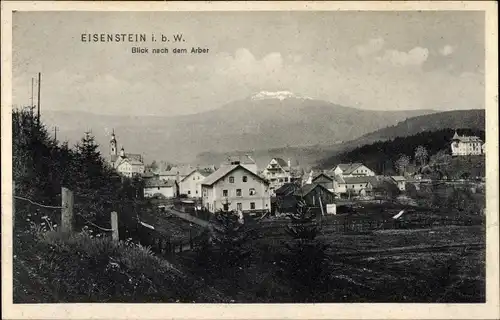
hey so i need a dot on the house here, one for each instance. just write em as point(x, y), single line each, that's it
point(277, 173)
point(352, 170)
point(246, 161)
point(235, 187)
point(360, 186)
point(400, 181)
point(334, 183)
point(466, 145)
point(176, 173)
point(314, 195)
point(190, 185)
point(285, 200)
point(157, 187)
point(126, 164)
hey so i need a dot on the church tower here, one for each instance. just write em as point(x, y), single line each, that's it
point(113, 150)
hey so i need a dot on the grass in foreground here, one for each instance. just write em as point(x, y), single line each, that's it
point(74, 268)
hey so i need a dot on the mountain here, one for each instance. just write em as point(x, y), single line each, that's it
point(263, 121)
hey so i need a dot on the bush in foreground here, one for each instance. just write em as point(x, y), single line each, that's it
point(75, 268)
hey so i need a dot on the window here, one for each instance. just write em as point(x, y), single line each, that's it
point(286, 179)
point(239, 207)
point(238, 192)
point(224, 193)
point(158, 188)
point(280, 180)
point(196, 191)
point(251, 191)
point(245, 178)
point(252, 205)
point(231, 179)
point(226, 207)
point(361, 186)
point(189, 191)
point(194, 178)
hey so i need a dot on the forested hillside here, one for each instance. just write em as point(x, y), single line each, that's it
point(382, 156)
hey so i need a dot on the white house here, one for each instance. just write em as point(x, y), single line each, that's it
point(361, 185)
point(190, 185)
point(277, 173)
point(466, 145)
point(130, 167)
point(352, 170)
point(235, 187)
point(162, 188)
point(127, 164)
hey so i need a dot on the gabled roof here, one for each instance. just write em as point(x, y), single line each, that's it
point(287, 189)
point(398, 178)
point(348, 168)
point(224, 171)
point(308, 188)
point(132, 162)
point(154, 183)
point(201, 172)
point(281, 162)
point(324, 174)
point(182, 171)
point(134, 156)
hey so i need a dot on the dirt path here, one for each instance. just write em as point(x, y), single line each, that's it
point(189, 217)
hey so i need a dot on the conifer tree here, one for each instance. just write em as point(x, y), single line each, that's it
point(229, 239)
point(304, 264)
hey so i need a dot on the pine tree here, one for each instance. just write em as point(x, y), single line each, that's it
point(229, 239)
point(304, 264)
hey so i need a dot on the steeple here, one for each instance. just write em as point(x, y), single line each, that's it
point(456, 136)
point(113, 151)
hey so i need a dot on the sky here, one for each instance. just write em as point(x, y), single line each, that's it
point(369, 60)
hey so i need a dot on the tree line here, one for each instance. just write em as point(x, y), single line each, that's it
point(42, 165)
point(396, 155)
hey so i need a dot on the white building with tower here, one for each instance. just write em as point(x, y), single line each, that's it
point(127, 164)
point(466, 145)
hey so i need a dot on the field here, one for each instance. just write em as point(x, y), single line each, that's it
point(428, 256)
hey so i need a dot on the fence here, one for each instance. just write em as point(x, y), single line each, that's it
point(162, 243)
point(68, 213)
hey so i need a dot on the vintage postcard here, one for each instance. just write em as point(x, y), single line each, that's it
point(250, 160)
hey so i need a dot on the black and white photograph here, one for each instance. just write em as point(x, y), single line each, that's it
point(250, 157)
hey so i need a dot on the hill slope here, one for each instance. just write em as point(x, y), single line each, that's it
point(470, 119)
point(260, 122)
point(381, 156)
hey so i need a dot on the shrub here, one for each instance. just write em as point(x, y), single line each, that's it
point(76, 268)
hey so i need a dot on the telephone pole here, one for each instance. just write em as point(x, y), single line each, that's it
point(32, 86)
point(55, 133)
point(39, 86)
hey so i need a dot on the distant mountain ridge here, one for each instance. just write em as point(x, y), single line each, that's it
point(263, 121)
point(318, 155)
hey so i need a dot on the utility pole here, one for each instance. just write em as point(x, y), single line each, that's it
point(39, 85)
point(32, 86)
point(55, 133)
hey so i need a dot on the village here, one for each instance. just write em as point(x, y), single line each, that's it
point(238, 185)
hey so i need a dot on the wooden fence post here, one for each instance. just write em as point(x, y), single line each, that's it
point(67, 210)
point(114, 226)
point(13, 204)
